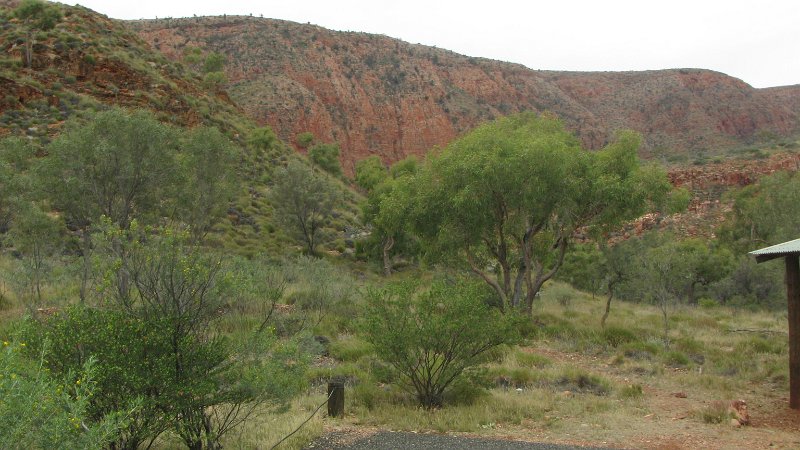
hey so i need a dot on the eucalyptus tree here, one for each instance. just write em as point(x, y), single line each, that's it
point(387, 208)
point(118, 164)
point(303, 200)
point(36, 15)
point(507, 198)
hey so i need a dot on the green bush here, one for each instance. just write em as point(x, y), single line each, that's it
point(758, 344)
point(675, 358)
point(617, 336)
point(326, 156)
point(707, 303)
point(42, 412)
point(432, 337)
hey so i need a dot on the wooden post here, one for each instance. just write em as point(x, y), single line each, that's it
point(335, 399)
point(793, 297)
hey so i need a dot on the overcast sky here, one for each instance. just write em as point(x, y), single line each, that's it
point(757, 41)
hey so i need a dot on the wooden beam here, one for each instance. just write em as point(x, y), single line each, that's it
point(769, 257)
point(793, 297)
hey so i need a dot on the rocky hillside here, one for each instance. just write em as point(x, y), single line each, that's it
point(378, 95)
point(88, 62)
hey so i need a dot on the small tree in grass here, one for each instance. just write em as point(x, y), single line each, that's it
point(304, 201)
point(433, 336)
point(36, 15)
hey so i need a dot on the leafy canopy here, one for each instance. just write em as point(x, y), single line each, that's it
point(510, 195)
point(432, 337)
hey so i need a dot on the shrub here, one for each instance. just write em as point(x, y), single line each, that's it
point(675, 358)
point(616, 336)
point(640, 350)
point(40, 411)
point(432, 337)
point(326, 156)
point(158, 341)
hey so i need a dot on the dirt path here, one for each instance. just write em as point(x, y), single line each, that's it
point(387, 440)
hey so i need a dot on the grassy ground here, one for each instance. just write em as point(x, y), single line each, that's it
point(573, 382)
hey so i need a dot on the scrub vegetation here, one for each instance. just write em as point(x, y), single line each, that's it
point(168, 286)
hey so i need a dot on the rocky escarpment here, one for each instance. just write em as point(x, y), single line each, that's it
point(87, 62)
point(378, 95)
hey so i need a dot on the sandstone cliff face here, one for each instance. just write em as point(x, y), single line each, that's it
point(377, 95)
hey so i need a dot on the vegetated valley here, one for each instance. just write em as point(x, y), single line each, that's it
point(204, 222)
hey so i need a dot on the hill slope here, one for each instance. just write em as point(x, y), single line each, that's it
point(88, 63)
point(378, 95)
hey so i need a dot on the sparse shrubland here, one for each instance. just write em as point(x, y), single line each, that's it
point(163, 286)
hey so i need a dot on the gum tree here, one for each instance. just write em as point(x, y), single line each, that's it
point(36, 15)
point(507, 198)
point(303, 200)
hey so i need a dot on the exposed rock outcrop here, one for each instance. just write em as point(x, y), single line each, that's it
point(377, 95)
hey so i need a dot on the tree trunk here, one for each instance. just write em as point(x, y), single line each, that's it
point(611, 285)
point(29, 50)
point(608, 308)
point(388, 243)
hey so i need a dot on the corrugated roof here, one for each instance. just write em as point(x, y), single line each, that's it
point(776, 251)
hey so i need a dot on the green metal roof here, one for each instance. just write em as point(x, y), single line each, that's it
point(777, 251)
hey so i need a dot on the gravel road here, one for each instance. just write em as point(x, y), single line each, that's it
point(388, 440)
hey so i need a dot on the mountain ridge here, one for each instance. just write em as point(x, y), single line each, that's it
point(378, 95)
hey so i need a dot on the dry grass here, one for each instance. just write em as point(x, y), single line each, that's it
point(574, 382)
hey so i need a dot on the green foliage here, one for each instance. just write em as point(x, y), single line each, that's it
point(406, 166)
point(305, 139)
point(584, 268)
point(432, 337)
point(632, 391)
point(263, 140)
point(326, 157)
point(715, 413)
point(214, 62)
point(370, 172)
point(214, 80)
point(158, 341)
point(37, 238)
point(121, 165)
point(577, 380)
point(387, 210)
point(617, 336)
point(764, 213)
point(36, 15)
point(303, 200)
point(678, 200)
point(349, 349)
point(43, 412)
point(511, 194)
point(209, 163)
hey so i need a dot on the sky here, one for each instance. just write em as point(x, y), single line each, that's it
point(757, 41)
